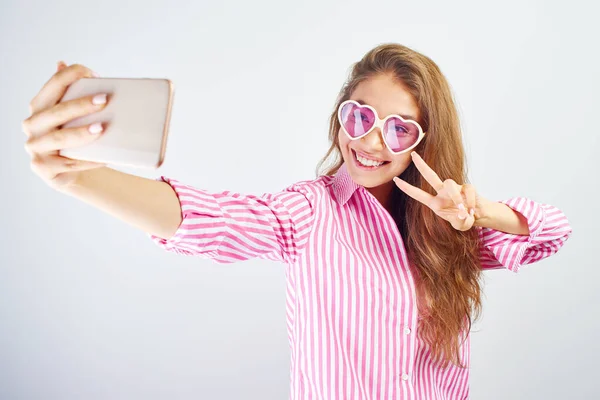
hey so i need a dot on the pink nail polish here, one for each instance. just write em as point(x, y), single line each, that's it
point(95, 128)
point(99, 99)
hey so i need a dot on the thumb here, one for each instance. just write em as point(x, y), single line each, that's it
point(60, 65)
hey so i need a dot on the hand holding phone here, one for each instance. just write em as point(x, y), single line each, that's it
point(135, 120)
point(45, 138)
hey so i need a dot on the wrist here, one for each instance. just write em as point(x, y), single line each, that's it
point(484, 213)
point(80, 180)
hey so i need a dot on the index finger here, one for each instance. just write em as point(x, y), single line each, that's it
point(55, 87)
point(428, 173)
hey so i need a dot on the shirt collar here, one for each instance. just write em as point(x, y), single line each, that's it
point(343, 185)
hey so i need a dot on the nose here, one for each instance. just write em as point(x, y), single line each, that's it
point(374, 140)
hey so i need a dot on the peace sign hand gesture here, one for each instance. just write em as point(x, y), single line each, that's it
point(458, 204)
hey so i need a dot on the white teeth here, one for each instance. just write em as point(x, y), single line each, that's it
point(368, 163)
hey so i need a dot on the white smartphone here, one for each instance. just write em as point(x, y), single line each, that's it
point(135, 120)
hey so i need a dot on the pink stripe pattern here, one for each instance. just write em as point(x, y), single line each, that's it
point(350, 297)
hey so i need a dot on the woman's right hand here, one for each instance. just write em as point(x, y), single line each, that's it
point(44, 133)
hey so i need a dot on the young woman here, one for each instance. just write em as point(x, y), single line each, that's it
point(383, 252)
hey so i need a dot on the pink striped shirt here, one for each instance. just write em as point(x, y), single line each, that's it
point(350, 297)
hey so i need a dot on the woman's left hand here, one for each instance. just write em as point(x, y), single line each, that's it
point(458, 204)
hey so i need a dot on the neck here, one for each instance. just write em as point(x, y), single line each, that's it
point(383, 194)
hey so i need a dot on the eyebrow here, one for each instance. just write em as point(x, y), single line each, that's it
point(405, 116)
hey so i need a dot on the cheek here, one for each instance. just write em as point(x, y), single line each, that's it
point(343, 141)
point(400, 163)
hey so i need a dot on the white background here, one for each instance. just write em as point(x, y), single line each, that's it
point(91, 309)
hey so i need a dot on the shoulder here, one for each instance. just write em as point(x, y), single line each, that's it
point(313, 189)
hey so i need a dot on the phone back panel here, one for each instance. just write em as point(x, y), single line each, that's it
point(135, 120)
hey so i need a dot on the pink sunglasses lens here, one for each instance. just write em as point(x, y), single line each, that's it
point(356, 120)
point(400, 135)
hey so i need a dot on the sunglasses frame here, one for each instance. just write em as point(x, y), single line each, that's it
point(379, 123)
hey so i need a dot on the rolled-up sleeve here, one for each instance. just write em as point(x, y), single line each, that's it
point(549, 229)
point(228, 227)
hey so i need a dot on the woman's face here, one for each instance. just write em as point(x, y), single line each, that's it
point(387, 97)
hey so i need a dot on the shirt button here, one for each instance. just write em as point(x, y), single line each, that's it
point(407, 330)
point(404, 377)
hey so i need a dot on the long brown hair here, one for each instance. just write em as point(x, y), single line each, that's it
point(444, 261)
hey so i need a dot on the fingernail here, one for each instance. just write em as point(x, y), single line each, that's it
point(99, 99)
point(461, 206)
point(472, 211)
point(95, 75)
point(95, 128)
point(460, 216)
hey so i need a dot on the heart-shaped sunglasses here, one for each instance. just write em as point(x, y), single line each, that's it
point(400, 135)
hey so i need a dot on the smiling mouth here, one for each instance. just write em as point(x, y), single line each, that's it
point(366, 163)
